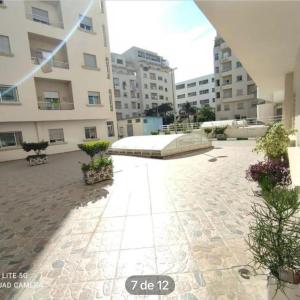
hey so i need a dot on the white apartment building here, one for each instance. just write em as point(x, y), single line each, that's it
point(142, 80)
point(199, 92)
point(55, 79)
point(236, 96)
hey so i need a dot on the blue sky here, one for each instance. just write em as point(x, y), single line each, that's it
point(175, 29)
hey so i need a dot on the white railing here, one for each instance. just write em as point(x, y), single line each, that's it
point(43, 20)
point(52, 62)
point(55, 106)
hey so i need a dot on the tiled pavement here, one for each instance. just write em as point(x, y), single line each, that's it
point(186, 217)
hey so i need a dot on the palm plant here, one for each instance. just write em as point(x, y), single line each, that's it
point(188, 110)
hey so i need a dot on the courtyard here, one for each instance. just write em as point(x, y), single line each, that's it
point(185, 216)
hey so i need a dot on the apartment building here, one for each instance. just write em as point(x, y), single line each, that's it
point(199, 92)
point(142, 80)
point(55, 79)
point(236, 96)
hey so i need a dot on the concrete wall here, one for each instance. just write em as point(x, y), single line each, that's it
point(246, 132)
point(265, 111)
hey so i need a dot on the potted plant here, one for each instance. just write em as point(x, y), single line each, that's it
point(99, 168)
point(274, 240)
point(219, 132)
point(39, 157)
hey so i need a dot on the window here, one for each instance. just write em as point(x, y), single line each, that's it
point(217, 95)
point(125, 95)
point(227, 93)
point(133, 105)
point(8, 94)
point(4, 45)
point(110, 100)
point(160, 78)
point(161, 88)
point(180, 86)
point(118, 104)
point(192, 94)
point(166, 89)
point(94, 98)
point(217, 69)
point(204, 92)
point(153, 86)
point(240, 105)
point(145, 85)
point(226, 107)
point(166, 80)
point(56, 135)
point(213, 89)
point(216, 56)
point(124, 85)
point(110, 128)
point(146, 96)
point(138, 105)
point(238, 64)
point(132, 94)
point(104, 37)
point(226, 53)
point(226, 66)
point(205, 81)
point(86, 23)
point(116, 81)
point(154, 105)
point(204, 102)
point(137, 120)
point(10, 139)
point(90, 60)
point(154, 96)
point(239, 92)
point(161, 97)
point(218, 82)
point(119, 116)
point(239, 78)
point(90, 132)
point(126, 105)
point(218, 107)
point(152, 76)
point(212, 80)
point(119, 61)
point(117, 93)
point(51, 100)
point(180, 96)
point(107, 67)
point(40, 15)
point(227, 80)
point(251, 89)
point(192, 84)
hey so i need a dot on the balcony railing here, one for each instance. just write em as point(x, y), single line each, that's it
point(41, 19)
point(44, 105)
point(52, 62)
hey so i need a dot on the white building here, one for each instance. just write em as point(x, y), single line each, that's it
point(142, 80)
point(55, 79)
point(199, 92)
point(236, 96)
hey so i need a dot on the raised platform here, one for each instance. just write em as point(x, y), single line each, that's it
point(160, 146)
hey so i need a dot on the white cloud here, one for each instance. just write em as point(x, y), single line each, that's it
point(145, 24)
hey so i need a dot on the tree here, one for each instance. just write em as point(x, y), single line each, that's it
point(205, 114)
point(161, 110)
point(188, 110)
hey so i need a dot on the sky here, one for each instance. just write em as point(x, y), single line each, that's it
point(175, 29)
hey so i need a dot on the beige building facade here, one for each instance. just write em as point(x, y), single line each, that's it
point(55, 78)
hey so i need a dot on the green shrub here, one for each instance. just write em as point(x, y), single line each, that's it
point(274, 235)
point(167, 132)
point(242, 139)
point(220, 130)
point(97, 164)
point(36, 147)
point(94, 147)
point(154, 132)
point(208, 131)
point(275, 142)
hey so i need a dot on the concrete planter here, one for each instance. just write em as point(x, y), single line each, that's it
point(35, 160)
point(94, 176)
point(291, 291)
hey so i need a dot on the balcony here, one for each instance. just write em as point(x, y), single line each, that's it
point(42, 48)
point(54, 94)
point(44, 12)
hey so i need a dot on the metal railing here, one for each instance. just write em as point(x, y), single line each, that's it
point(52, 62)
point(40, 19)
point(44, 105)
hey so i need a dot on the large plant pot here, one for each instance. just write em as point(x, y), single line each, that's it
point(35, 160)
point(94, 176)
point(290, 291)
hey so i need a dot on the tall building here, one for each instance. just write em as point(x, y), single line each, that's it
point(199, 92)
point(142, 80)
point(57, 83)
point(236, 96)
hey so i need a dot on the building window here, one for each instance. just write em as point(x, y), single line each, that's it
point(227, 93)
point(90, 132)
point(4, 45)
point(125, 95)
point(240, 105)
point(192, 94)
point(181, 96)
point(110, 128)
point(166, 89)
point(10, 139)
point(153, 86)
point(226, 66)
point(90, 60)
point(117, 93)
point(8, 94)
point(218, 95)
point(166, 80)
point(217, 69)
point(110, 100)
point(213, 90)
point(132, 94)
point(145, 85)
point(218, 107)
point(138, 105)
point(146, 96)
point(226, 107)
point(126, 105)
point(161, 88)
point(116, 81)
point(120, 61)
point(152, 76)
point(192, 84)
point(204, 102)
point(160, 78)
point(227, 80)
point(133, 105)
point(239, 78)
point(204, 92)
point(154, 96)
point(161, 97)
point(238, 64)
point(216, 56)
point(104, 37)
point(119, 116)
point(251, 89)
point(118, 104)
point(205, 81)
point(94, 98)
point(86, 23)
point(137, 120)
point(56, 135)
point(40, 15)
point(107, 67)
